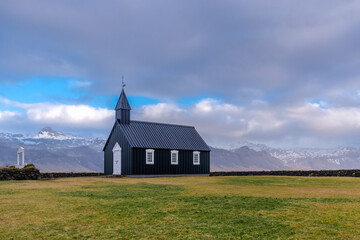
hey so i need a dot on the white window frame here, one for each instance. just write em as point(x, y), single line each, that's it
point(198, 157)
point(177, 157)
point(152, 156)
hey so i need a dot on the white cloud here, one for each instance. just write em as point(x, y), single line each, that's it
point(329, 121)
point(209, 105)
point(5, 101)
point(213, 118)
point(222, 123)
point(205, 106)
point(160, 110)
point(6, 115)
point(67, 114)
point(81, 116)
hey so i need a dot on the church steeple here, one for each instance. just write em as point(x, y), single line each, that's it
point(123, 108)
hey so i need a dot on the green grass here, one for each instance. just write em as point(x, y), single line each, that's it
point(251, 207)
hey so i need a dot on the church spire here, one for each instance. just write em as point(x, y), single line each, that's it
point(122, 107)
point(122, 102)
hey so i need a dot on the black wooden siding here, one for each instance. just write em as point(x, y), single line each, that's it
point(117, 136)
point(123, 116)
point(162, 164)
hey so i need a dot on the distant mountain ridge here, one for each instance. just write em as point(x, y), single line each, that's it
point(302, 159)
point(244, 159)
point(53, 151)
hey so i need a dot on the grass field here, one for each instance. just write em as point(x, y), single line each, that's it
point(248, 207)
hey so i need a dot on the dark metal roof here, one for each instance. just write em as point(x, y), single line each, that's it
point(164, 136)
point(122, 102)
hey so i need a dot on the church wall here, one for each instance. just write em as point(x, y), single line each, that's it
point(162, 164)
point(117, 136)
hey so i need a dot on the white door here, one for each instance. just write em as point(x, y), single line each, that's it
point(117, 159)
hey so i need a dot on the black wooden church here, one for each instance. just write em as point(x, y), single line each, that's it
point(148, 148)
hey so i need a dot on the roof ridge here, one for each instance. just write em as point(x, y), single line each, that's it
point(168, 124)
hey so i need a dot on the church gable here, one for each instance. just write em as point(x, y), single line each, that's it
point(110, 135)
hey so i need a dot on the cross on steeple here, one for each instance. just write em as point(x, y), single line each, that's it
point(123, 83)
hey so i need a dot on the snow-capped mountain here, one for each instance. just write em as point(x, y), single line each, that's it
point(49, 133)
point(49, 138)
point(53, 151)
point(312, 159)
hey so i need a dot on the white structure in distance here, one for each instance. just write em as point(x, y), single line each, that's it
point(20, 151)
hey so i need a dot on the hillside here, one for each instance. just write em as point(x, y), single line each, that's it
point(53, 151)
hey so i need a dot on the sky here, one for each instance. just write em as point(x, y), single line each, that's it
point(285, 73)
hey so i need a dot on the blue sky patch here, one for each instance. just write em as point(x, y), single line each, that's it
point(40, 89)
point(321, 102)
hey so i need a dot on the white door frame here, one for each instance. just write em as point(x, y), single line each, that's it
point(116, 159)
